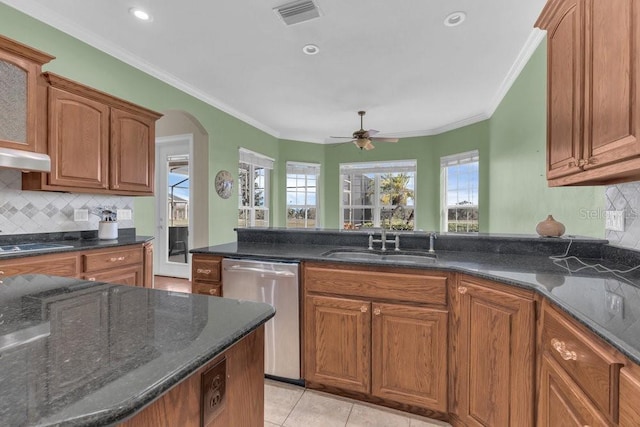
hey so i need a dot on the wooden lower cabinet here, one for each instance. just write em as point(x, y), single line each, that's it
point(388, 352)
point(206, 275)
point(630, 396)
point(409, 355)
point(243, 401)
point(338, 342)
point(122, 265)
point(493, 353)
point(561, 403)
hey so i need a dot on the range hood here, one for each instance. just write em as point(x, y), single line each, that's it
point(24, 160)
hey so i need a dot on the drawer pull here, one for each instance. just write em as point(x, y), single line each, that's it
point(363, 309)
point(114, 259)
point(561, 348)
point(1, 274)
point(92, 279)
point(377, 311)
point(462, 289)
point(203, 271)
point(213, 291)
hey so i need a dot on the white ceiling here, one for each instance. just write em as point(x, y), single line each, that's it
point(395, 59)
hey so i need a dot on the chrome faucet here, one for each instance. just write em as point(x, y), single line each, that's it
point(383, 240)
point(432, 237)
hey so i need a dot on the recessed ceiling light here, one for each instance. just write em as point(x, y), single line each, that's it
point(140, 14)
point(455, 18)
point(311, 49)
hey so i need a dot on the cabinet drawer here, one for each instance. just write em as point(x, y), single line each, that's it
point(206, 289)
point(400, 285)
point(55, 265)
point(591, 365)
point(207, 269)
point(96, 261)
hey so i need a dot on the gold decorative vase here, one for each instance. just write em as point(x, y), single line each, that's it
point(550, 227)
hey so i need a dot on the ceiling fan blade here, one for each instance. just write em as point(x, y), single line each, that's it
point(372, 132)
point(342, 137)
point(385, 139)
point(369, 146)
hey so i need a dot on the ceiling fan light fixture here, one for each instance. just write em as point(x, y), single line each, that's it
point(140, 14)
point(362, 143)
point(455, 18)
point(311, 49)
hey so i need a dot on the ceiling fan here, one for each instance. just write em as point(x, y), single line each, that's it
point(363, 138)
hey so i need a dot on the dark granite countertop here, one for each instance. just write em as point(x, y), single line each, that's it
point(607, 303)
point(72, 241)
point(78, 353)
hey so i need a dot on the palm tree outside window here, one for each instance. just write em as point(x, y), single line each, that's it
point(378, 194)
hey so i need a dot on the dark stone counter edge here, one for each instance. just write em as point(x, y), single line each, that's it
point(627, 350)
point(79, 241)
point(113, 416)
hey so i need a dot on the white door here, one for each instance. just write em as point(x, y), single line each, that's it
point(173, 213)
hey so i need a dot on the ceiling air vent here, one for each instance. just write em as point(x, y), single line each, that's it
point(297, 11)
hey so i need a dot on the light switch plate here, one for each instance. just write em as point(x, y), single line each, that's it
point(123, 214)
point(614, 221)
point(81, 214)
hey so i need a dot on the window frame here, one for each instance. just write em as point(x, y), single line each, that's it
point(379, 169)
point(254, 161)
point(307, 170)
point(446, 162)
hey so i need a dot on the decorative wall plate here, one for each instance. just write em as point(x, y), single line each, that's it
point(224, 184)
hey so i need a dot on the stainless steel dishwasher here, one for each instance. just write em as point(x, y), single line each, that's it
point(277, 284)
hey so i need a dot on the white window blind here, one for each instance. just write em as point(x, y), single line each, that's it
point(256, 159)
point(303, 168)
point(397, 166)
point(460, 158)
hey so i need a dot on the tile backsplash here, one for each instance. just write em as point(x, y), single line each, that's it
point(625, 197)
point(46, 211)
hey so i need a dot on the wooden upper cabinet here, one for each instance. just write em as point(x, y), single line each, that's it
point(593, 91)
point(20, 67)
point(97, 143)
point(493, 351)
point(132, 148)
point(78, 141)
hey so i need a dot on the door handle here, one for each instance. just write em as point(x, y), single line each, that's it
point(239, 269)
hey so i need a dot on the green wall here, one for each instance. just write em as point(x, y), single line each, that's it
point(426, 151)
point(519, 197)
point(513, 192)
point(80, 62)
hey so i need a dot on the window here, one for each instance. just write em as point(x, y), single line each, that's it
point(460, 182)
point(302, 194)
point(378, 194)
point(253, 189)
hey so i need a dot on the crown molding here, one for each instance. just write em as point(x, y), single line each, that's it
point(57, 21)
point(533, 41)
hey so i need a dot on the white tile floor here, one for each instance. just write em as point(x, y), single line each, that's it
point(292, 406)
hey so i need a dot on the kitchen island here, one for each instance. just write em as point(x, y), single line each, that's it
point(76, 352)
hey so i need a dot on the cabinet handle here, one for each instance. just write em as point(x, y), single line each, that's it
point(462, 289)
point(377, 311)
point(1, 274)
point(91, 279)
point(213, 291)
point(363, 309)
point(114, 259)
point(561, 348)
point(203, 271)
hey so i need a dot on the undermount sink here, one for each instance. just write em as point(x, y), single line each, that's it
point(387, 256)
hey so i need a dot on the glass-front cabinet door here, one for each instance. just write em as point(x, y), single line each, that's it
point(20, 67)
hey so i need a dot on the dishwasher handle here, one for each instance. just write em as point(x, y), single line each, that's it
point(239, 268)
